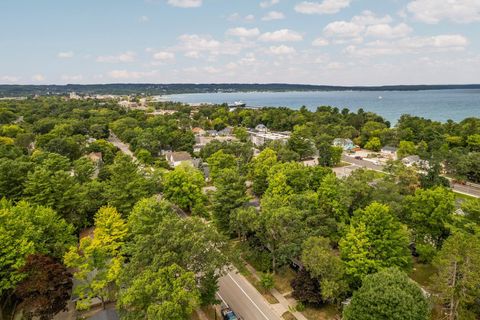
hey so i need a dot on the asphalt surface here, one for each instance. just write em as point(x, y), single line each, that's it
point(470, 190)
point(244, 299)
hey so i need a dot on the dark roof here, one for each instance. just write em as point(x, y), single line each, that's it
point(179, 156)
point(108, 314)
point(389, 148)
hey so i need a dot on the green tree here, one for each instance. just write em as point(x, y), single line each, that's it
point(473, 142)
point(259, 170)
point(167, 293)
point(373, 144)
point(300, 141)
point(374, 240)
point(220, 161)
point(327, 267)
point(84, 169)
point(388, 294)
point(183, 187)
point(428, 213)
point(13, 175)
point(406, 148)
point(457, 280)
point(243, 221)
point(230, 195)
point(98, 261)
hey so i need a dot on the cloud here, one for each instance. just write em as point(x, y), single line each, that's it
point(268, 3)
point(77, 77)
point(386, 31)
point(273, 15)
point(195, 42)
point(433, 11)
point(281, 50)
point(243, 32)
point(65, 55)
point(124, 74)
point(343, 29)
point(163, 55)
point(122, 57)
point(38, 77)
point(324, 7)
point(410, 45)
point(237, 17)
point(9, 79)
point(185, 3)
point(320, 42)
point(144, 19)
point(283, 35)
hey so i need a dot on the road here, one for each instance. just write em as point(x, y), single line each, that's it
point(244, 299)
point(470, 190)
point(113, 139)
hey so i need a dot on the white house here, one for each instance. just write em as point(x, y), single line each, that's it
point(177, 158)
point(389, 152)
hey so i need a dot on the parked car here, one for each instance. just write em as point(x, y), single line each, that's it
point(228, 313)
point(358, 158)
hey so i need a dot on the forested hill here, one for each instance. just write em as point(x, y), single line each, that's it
point(157, 89)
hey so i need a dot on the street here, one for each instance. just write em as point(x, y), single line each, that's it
point(470, 190)
point(243, 298)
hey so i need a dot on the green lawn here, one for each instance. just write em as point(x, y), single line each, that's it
point(421, 273)
point(327, 312)
point(283, 278)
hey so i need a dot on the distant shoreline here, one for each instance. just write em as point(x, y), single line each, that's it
point(184, 88)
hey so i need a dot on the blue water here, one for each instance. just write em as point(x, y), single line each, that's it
point(439, 105)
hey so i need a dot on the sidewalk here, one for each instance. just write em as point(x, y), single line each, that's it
point(284, 305)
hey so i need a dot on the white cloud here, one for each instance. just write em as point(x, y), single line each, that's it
point(124, 74)
point(185, 3)
point(281, 50)
point(320, 42)
point(144, 19)
point(273, 15)
point(192, 54)
point(243, 32)
point(324, 7)
point(163, 55)
point(195, 42)
point(368, 18)
point(211, 70)
point(343, 29)
point(410, 45)
point(386, 31)
point(9, 79)
point(283, 35)
point(38, 77)
point(433, 11)
point(122, 57)
point(65, 55)
point(77, 77)
point(237, 17)
point(268, 3)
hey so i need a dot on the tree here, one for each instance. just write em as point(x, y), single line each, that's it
point(306, 288)
point(267, 282)
point(126, 184)
point(471, 207)
point(84, 169)
point(183, 187)
point(406, 148)
point(325, 266)
point(98, 261)
point(473, 142)
point(159, 238)
point(220, 161)
point(46, 288)
point(300, 141)
point(428, 213)
point(259, 170)
point(373, 144)
point(388, 294)
point(328, 155)
point(282, 233)
point(457, 280)
point(374, 240)
point(13, 175)
point(243, 221)
point(230, 195)
point(241, 134)
point(167, 293)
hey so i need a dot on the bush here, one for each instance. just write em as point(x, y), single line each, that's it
point(426, 253)
point(306, 289)
point(267, 282)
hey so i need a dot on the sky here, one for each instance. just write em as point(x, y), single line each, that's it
point(330, 42)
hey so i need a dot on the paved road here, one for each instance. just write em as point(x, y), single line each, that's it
point(244, 299)
point(470, 190)
point(113, 139)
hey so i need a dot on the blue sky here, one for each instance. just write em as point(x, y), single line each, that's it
point(335, 42)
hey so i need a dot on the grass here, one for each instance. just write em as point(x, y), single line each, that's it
point(283, 278)
point(462, 196)
point(325, 312)
point(209, 312)
point(288, 316)
point(343, 164)
point(422, 273)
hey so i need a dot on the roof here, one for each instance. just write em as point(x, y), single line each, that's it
point(389, 148)
point(179, 156)
point(413, 158)
point(342, 141)
point(261, 127)
point(108, 314)
point(197, 130)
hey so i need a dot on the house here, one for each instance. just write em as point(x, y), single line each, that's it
point(389, 152)
point(261, 128)
point(212, 133)
point(261, 138)
point(411, 160)
point(198, 131)
point(345, 144)
point(226, 131)
point(174, 159)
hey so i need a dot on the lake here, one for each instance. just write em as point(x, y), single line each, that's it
point(439, 105)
